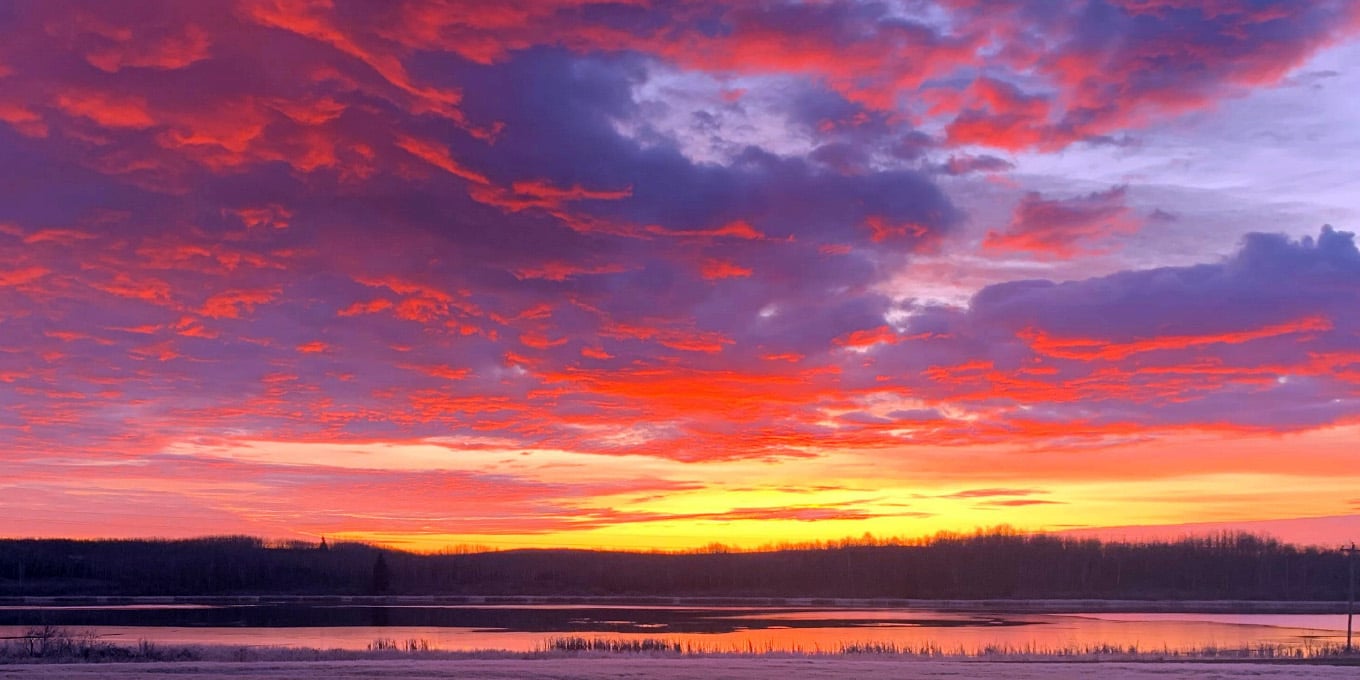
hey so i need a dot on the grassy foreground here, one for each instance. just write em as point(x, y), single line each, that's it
point(52, 645)
point(632, 667)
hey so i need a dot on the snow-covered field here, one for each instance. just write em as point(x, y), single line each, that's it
point(703, 668)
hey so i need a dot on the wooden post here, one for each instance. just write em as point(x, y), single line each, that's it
point(1350, 598)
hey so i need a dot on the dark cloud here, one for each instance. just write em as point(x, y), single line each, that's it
point(965, 164)
point(1261, 340)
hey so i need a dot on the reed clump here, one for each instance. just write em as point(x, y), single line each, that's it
point(931, 650)
point(61, 645)
point(616, 645)
point(410, 645)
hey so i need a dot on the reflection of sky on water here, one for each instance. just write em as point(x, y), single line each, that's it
point(1325, 622)
point(758, 630)
point(107, 607)
point(852, 615)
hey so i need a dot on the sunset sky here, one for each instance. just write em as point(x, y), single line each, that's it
point(658, 274)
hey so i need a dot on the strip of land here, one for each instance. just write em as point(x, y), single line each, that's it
point(704, 668)
point(997, 605)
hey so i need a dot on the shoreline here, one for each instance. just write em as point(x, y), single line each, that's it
point(1001, 606)
point(665, 668)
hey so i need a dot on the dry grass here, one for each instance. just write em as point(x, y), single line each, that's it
point(48, 644)
point(927, 650)
point(59, 645)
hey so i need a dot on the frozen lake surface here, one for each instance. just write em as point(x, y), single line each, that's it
point(740, 628)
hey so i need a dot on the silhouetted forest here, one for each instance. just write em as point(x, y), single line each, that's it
point(982, 565)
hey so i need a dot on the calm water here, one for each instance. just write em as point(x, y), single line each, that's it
point(530, 627)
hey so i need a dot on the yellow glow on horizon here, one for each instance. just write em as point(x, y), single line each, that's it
point(583, 500)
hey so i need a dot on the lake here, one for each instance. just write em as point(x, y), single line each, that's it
point(708, 628)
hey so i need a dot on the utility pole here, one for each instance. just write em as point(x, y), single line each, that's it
point(1350, 599)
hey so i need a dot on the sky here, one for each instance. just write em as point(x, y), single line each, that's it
point(658, 274)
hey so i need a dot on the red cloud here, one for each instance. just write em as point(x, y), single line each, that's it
point(313, 347)
point(537, 341)
point(868, 338)
point(315, 20)
point(108, 110)
point(144, 288)
point(555, 195)
point(739, 229)
point(1001, 116)
point(540, 195)
point(439, 156)
point(24, 119)
point(125, 48)
point(64, 237)
point(232, 303)
point(595, 353)
point(713, 269)
point(882, 230)
point(421, 309)
point(561, 271)
point(369, 307)
point(439, 371)
point(674, 338)
point(275, 216)
point(1063, 227)
point(406, 287)
point(1090, 349)
point(18, 277)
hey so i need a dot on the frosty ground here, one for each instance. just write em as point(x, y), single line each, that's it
point(710, 668)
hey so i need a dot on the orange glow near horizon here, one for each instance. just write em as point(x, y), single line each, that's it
point(421, 499)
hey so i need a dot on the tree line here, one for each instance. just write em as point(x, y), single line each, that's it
point(996, 564)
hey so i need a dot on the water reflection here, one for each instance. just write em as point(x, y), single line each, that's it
point(741, 629)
